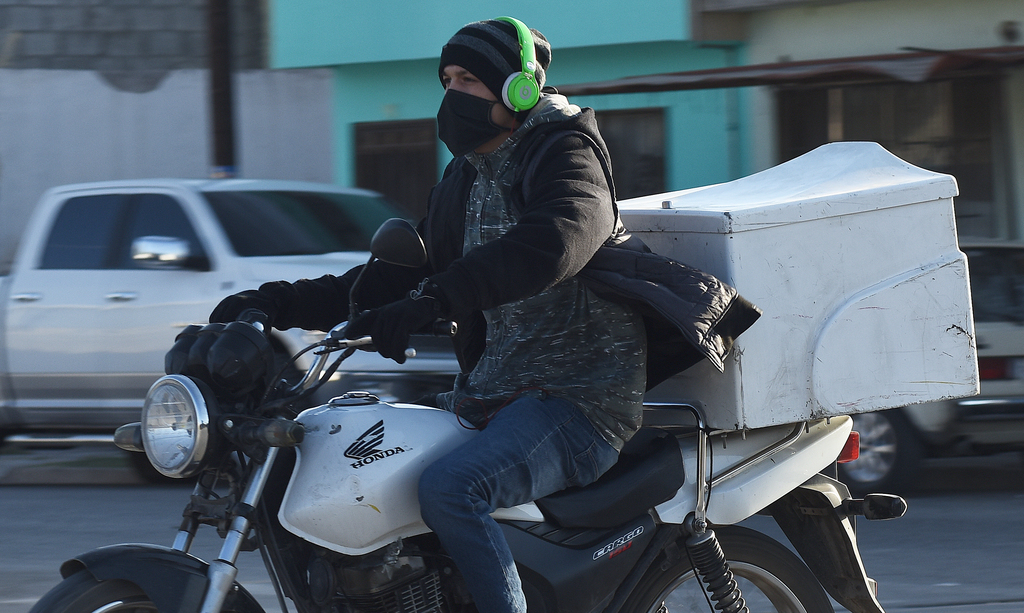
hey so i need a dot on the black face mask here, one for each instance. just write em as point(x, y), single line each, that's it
point(464, 122)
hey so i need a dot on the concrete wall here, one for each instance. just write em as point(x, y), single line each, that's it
point(876, 27)
point(63, 126)
point(123, 35)
point(1013, 106)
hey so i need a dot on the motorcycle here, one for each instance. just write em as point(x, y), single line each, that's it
point(327, 494)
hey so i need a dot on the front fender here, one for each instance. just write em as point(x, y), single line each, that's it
point(173, 580)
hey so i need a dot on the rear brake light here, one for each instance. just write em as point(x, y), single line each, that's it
point(993, 368)
point(851, 450)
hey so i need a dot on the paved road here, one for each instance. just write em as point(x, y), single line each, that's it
point(960, 548)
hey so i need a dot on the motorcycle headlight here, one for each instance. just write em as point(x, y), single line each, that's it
point(176, 426)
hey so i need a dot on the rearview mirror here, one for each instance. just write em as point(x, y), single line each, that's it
point(397, 242)
point(167, 253)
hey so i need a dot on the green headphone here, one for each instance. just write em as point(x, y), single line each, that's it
point(521, 91)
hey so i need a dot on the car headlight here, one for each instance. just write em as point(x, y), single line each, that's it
point(176, 426)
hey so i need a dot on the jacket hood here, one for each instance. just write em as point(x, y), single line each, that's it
point(555, 112)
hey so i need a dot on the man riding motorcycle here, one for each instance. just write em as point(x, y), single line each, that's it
point(563, 320)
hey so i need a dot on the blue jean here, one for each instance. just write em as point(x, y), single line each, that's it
point(531, 448)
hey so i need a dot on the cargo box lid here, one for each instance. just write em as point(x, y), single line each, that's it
point(849, 177)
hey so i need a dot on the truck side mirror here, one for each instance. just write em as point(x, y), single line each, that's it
point(166, 253)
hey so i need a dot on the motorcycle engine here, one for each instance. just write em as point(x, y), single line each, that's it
point(376, 586)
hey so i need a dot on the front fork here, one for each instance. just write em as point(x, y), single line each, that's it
point(222, 571)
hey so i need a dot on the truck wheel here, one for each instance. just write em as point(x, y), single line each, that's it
point(890, 454)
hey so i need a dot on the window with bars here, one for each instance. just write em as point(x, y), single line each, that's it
point(950, 126)
point(399, 160)
point(636, 141)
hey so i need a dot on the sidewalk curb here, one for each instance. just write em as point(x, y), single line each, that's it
point(64, 475)
point(84, 465)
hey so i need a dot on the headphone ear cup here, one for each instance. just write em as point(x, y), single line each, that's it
point(520, 92)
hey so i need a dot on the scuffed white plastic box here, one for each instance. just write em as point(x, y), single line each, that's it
point(852, 255)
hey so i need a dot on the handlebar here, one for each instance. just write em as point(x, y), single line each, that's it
point(254, 317)
point(335, 340)
point(273, 433)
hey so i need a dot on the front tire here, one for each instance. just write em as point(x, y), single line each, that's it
point(770, 576)
point(82, 593)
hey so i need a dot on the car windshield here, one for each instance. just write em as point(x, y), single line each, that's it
point(268, 223)
point(997, 283)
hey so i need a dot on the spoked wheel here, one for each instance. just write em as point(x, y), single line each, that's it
point(81, 593)
point(770, 577)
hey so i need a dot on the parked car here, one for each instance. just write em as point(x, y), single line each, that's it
point(107, 274)
point(893, 443)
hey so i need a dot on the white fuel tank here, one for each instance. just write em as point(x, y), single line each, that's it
point(354, 486)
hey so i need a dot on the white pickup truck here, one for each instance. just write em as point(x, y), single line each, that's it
point(107, 274)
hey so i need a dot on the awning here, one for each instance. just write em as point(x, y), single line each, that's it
point(914, 67)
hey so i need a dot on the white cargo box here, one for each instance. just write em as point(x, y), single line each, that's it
point(852, 255)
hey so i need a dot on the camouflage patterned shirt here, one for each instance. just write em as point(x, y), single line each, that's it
point(565, 341)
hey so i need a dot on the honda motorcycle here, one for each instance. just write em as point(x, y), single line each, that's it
point(328, 495)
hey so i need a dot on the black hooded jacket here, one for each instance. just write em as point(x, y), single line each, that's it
point(566, 226)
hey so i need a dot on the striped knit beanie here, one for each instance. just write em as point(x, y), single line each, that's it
point(490, 50)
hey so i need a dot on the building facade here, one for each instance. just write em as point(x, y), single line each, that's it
point(119, 89)
point(744, 85)
point(384, 56)
point(951, 100)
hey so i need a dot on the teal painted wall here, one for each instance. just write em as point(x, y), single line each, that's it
point(386, 69)
point(705, 133)
point(331, 32)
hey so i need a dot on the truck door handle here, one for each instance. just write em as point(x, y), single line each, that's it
point(122, 296)
point(27, 297)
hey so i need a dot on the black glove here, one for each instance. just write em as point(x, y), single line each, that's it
point(263, 299)
point(391, 325)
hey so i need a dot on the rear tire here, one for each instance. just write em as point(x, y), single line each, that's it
point(770, 576)
point(82, 593)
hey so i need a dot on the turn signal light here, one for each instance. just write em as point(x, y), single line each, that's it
point(851, 450)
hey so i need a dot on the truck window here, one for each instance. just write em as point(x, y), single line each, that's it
point(155, 215)
point(997, 283)
point(83, 232)
point(266, 223)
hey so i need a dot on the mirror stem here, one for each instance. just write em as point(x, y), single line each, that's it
point(352, 290)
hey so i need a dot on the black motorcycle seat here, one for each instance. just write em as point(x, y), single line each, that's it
point(649, 472)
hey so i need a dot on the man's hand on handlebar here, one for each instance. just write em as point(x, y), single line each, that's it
point(390, 326)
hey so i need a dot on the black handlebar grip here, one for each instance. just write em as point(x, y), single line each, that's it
point(281, 433)
point(444, 328)
point(255, 317)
